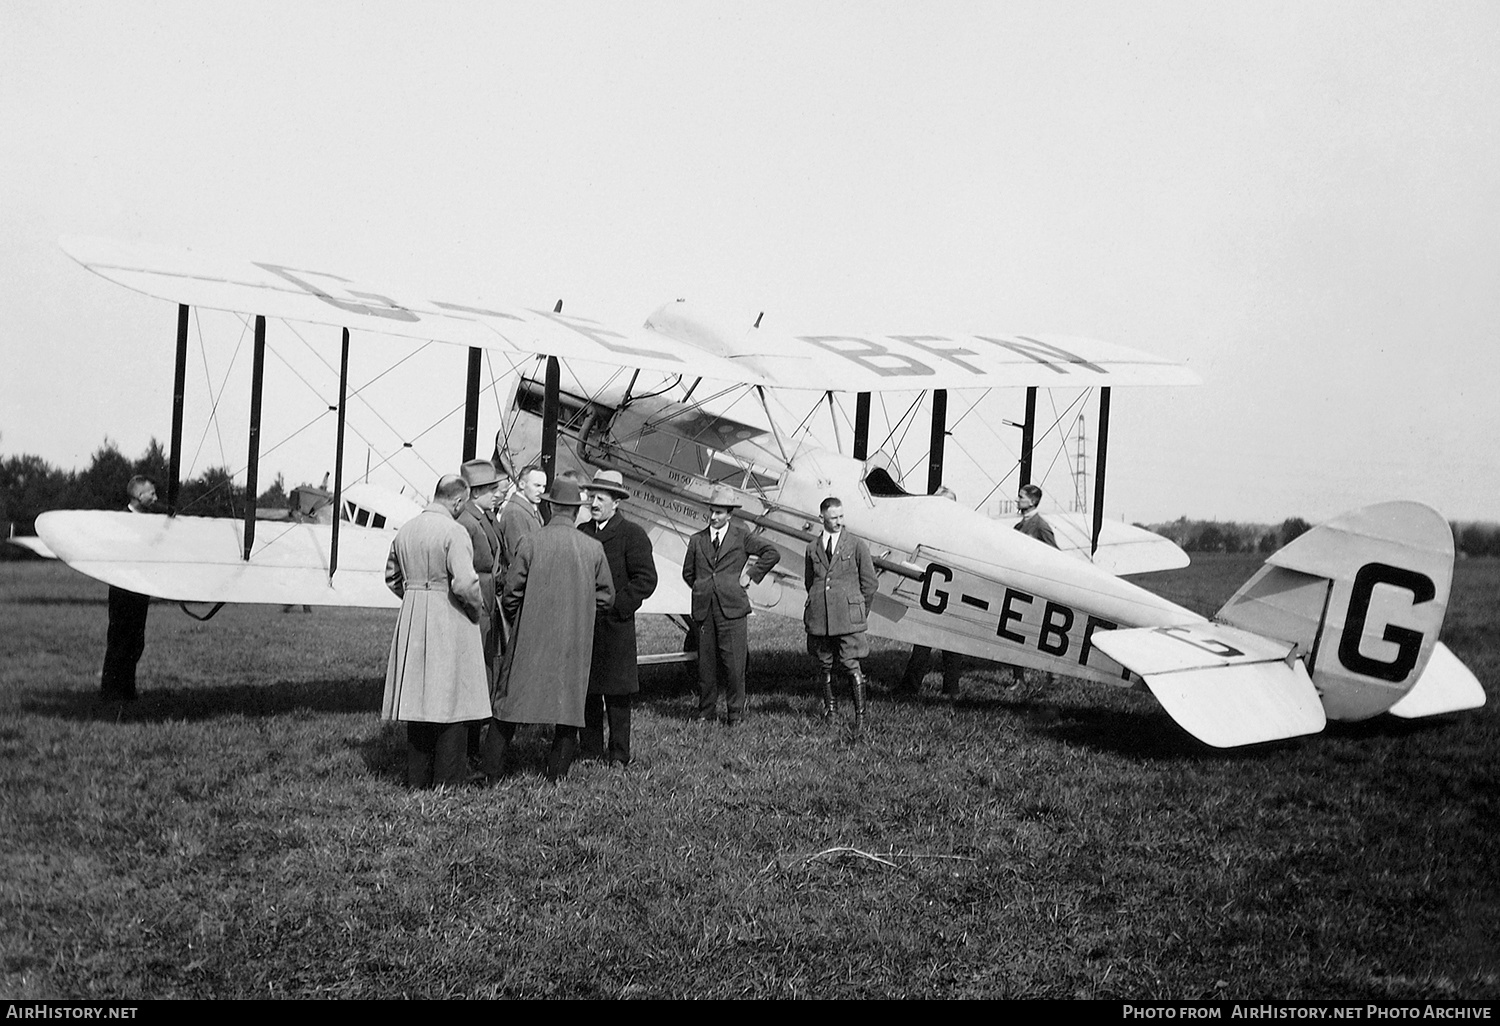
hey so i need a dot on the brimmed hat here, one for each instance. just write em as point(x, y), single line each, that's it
point(723, 495)
point(609, 481)
point(479, 474)
point(565, 493)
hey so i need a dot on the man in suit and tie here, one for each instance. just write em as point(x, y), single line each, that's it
point(717, 568)
point(521, 514)
point(840, 578)
point(613, 676)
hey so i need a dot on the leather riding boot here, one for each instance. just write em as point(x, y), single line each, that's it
point(858, 681)
point(830, 704)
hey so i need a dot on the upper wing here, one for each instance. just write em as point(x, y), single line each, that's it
point(677, 339)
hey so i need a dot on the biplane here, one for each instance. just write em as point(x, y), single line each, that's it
point(1341, 623)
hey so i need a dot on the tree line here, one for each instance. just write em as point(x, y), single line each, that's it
point(29, 485)
point(1470, 538)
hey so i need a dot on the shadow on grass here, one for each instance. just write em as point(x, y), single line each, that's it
point(54, 600)
point(160, 705)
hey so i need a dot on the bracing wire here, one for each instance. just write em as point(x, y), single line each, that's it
point(213, 410)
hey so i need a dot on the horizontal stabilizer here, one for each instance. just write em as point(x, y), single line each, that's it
point(1123, 548)
point(1150, 650)
point(1224, 686)
point(1445, 686)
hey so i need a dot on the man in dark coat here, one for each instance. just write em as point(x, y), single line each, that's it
point(477, 516)
point(718, 570)
point(555, 586)
point(613, 678)
point(840, 579)
point(126, 639)
point(1031, 523)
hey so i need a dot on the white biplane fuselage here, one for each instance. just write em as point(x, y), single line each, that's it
point(950, 577)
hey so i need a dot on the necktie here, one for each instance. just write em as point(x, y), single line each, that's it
point(716, 543)
point(828, 546)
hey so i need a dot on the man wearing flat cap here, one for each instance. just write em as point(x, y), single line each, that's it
point(613, 678)
point(717, 567)
point(557, 583)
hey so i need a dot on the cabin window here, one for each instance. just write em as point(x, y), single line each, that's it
point(378, 520)
point(572, 410)
point(361, 516)
point(882, 485)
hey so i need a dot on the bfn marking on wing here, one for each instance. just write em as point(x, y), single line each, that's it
point(883, 360)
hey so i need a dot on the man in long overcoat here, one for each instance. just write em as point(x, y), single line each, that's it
point(613, 677)
point(841, 582)
point(434, 680)
point(717, 567)
point(557, 583)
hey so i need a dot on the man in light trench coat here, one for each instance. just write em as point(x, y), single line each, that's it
point(557, 583)
point(435, 679)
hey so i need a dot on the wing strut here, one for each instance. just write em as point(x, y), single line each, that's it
point(338, 459)
point(471, 404)
point(179, 383)
point(1028, 435)
point(761, 391)
point(551, 403)
point(257, 378)
point(1099, 469)
point(862, 425)
point(939, 433)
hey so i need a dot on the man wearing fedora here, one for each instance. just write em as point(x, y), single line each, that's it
point(613, 678)
point(717, 567)
point(555, 586)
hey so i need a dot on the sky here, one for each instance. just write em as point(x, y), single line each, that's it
point(1298, 201)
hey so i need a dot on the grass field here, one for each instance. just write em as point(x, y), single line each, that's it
point(242, 832)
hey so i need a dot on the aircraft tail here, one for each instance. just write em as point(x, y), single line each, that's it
point(1342, 623)
point(1362, 597)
